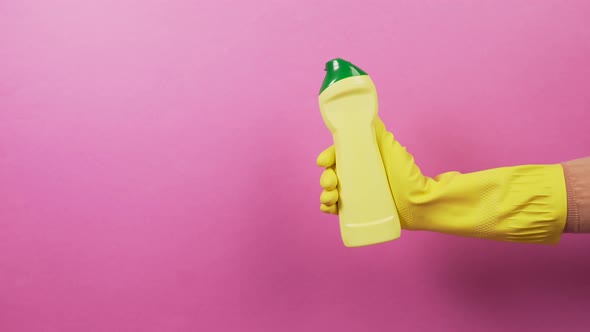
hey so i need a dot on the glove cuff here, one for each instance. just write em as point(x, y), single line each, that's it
point(533, 209)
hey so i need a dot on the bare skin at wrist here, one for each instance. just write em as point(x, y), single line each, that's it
point(577, 178)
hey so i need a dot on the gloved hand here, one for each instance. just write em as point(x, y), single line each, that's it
point(525, 203)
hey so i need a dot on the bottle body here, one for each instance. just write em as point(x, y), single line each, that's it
point(366, 208)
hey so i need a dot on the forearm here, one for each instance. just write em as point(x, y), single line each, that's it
point(577, 178)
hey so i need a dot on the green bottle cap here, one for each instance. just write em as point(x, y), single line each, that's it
point(338, 69)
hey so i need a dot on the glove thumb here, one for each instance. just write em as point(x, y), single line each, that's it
point(401, 169)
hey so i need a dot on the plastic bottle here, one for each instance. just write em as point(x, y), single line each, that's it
point(348, 105)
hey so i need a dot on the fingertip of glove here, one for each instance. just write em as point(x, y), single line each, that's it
point(332, 209)
point(326, 158)
point(379, 125)
point(329, 197)
point(329, 180)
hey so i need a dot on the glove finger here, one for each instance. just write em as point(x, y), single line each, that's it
point(332, 209)
point(329, 180)
point(327, 158)
point(329, 197)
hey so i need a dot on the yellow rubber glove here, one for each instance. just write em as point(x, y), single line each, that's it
point(525, 203)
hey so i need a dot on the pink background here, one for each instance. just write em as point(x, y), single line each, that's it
point(157, 163)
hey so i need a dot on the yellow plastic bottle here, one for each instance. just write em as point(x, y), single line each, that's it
point(348, 104)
